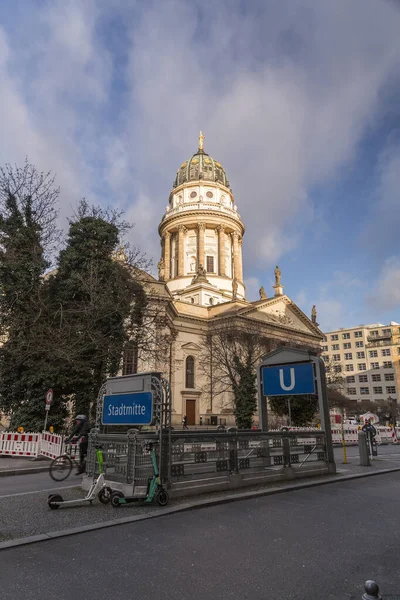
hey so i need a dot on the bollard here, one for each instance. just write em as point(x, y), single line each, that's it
point(363, 449)
point(371, 591)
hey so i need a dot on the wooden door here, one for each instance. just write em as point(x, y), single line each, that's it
point(191, 412)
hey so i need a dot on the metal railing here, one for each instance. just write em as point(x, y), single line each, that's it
point(190, 456)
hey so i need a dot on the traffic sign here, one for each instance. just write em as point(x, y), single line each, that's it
point(295, 379)
point(49, 399)
point(128, 409)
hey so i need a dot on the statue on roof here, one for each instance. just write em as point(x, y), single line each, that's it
point(263, 295)
point(278, 275)
point(201, 139)
point(234, 289)
point(161, 269)
point(314, 314)
point(201, 275)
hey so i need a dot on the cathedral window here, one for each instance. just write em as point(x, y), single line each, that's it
point(130, 362)
point(189, 379)
point(210, 264)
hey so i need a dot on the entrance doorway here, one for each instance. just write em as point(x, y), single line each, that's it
point(191, 411)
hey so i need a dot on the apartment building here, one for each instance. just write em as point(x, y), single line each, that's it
point(369, 356)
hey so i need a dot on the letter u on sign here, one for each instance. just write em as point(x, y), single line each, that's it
point(294, 379)
point(287, 388)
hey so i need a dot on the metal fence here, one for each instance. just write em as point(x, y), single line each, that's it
point(196, 462)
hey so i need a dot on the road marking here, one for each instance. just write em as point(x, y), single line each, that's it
point(66, 487)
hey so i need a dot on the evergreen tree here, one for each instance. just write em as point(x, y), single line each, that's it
point(93, 298)
point(27, 219)
point(302, 408)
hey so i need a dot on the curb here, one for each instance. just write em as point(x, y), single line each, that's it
point(24, 471)
point(191, 505)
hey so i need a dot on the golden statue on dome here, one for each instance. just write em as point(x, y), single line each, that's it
point(201, 139)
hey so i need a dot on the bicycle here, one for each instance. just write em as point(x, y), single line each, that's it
point(61, 466)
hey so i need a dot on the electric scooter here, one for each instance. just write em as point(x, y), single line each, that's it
point(155, 491)
point(98, 488)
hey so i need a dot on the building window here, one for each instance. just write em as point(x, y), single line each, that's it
point(348, 356)
point(334, 338)
point(350, 379)
point(387, 364)
point(374, 365)
point(337, 368)
point(359, 344)
point(358, 334)
point(363, 378)
point(351, 391)
point(189, 379)
point(336, 357)
point(360, 354)
point(364, 391)
point(347, 345)
point(389, 377)
point(324, 348)
point(390, 389)
point(349, 368)
point(130, 362)
point(378, 390)
point(326, 358)
point(386, 331)
point(335, 346)
point(362, 367)
point(346, 336)
point(374, 333)
point(210, 264)
point(376, 378)
point(373, 353)
point(386, 352)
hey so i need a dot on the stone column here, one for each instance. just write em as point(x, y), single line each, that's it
point(221, 249)
point(200, 245)
point(240, 275)
point(236, 260)
point(167, 255)
point(181, 249)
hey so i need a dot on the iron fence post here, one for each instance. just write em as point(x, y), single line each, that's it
point(286, 450)
point(371, 591)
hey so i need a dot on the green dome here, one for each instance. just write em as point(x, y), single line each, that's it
point(201, 167)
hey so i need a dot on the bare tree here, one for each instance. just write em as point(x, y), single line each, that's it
point(231, 352)
point(36, 192)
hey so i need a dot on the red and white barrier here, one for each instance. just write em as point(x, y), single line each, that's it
point(19, 444)
point(32, 445)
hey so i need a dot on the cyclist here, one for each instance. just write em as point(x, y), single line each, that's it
point(81, 432)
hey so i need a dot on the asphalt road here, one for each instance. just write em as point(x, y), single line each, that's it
point(21, 484)
point(318, 544)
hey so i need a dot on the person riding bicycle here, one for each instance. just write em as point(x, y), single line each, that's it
point(81, 432)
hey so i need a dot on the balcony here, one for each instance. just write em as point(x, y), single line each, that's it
point(208, 206)
point(380, 336)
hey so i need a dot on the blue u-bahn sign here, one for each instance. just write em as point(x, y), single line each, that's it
point(128, 409)
point(294, 379)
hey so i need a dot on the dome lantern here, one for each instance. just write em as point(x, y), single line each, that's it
point(201, 166)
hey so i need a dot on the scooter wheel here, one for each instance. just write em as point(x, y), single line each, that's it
point(162, 497)
point(105, 495)
point(115, 496)
point(54, 501)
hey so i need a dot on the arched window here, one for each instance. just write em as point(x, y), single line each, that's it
point(190, 372)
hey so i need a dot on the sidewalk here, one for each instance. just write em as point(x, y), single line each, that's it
point(26, 518)
point(22, 466)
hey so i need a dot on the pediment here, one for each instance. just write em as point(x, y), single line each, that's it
point(190, 346)
point(281, 311)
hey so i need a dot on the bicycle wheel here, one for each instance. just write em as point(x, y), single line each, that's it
point(60, 467)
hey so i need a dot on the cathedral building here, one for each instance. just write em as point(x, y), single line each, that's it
point(201, 289)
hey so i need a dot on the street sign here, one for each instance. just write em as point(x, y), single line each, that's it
point(294, 379)
point(128, 409)
point(49, 399)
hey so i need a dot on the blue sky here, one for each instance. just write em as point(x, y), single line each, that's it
point(299, 100)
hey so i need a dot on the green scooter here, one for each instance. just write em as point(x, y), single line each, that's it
point(155, 491)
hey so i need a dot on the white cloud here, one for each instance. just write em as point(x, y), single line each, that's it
point(386, 295)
